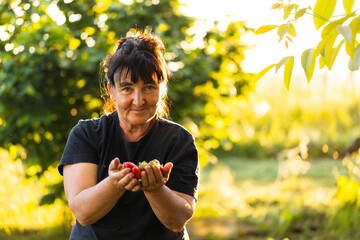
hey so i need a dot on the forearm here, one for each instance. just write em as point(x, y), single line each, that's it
point(172, 210)
point(95, 202)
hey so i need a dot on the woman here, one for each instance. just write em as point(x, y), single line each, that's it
point(109, 202)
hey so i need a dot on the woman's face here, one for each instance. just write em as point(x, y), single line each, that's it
point(136, 102)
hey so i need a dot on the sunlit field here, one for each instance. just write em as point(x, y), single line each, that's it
point(284, 179)
point(278, 162)
point(304, 189)
point(324, 112)
point(249, 198)
point(21, 217)
point(244, 196)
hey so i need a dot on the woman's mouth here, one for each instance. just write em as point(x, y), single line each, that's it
point(138, 110)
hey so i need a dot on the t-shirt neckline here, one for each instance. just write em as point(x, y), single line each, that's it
point(120, 131)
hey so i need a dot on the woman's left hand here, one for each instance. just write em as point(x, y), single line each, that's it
point(152, 179)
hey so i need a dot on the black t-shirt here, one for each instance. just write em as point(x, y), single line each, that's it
point(101, 140)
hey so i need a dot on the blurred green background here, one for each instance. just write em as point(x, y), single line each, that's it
point(275, 164)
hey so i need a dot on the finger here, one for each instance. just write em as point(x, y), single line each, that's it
point(124, 172)
point(132, 185)
point(167, 169)
point(125, 181)
point(115, 164)
point(144, 180)
point(118, 176)
point(136, 188)
point(150, 175)
point(157, 173)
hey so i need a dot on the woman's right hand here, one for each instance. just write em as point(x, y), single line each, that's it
point(122, 179)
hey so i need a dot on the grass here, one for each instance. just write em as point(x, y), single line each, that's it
point(263, 171)
point(326, 110)
point(21, 217)
point(238, 199)
point(263, 203)
point(57, 233)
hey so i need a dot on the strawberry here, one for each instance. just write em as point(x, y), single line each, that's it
point(136, 171)
point(129, 165)
point(142, 165)
point(154, 162)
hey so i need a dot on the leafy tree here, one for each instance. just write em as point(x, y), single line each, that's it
point(336, 31)
point(50, 69)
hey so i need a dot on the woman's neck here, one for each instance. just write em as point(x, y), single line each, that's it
point(134, 133)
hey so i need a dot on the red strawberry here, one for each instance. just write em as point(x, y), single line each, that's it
point(129, 165)
point(136, 171)
point(142, 165)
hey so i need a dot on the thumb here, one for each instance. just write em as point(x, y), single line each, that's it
point(115, 164)
point(167, 169)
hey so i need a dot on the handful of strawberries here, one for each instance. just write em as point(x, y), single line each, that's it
point(136, 170)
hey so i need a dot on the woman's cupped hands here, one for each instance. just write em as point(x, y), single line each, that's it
point(150, 178)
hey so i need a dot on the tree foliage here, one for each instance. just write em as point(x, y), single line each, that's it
point(50, 68)
point(336, 32)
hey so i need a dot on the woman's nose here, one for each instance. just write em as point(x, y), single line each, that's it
point(138, 98)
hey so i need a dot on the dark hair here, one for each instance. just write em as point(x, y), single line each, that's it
point(142, 56)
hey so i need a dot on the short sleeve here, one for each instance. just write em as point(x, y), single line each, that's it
point(185, 174)
point(80, 147)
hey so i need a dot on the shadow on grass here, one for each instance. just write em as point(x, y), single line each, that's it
point(55, 233)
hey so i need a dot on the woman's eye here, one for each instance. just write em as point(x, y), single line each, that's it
point(126, 89)
point(150, 87)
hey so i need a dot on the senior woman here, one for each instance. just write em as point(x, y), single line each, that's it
point(109, 202)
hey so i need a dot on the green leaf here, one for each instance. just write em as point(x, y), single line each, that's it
point(348, 5)
point(47, 199)
point(306, 57)
point(355, 29)
point(288, 71)
point(308, 62)
point(23, 120)
point(328, 36)
point(349, 48)
point(283, 29)
point(288, 9)
point(300, 13)
point(355, 25)
point(323, 11)
point(281, 63)
point(322, 63)
point(354, 64)
point(328, 57)
point(292, 30)
point(331, 28)
point(346, 32)
point(265, 29)
point(320, 49)
point(263, 72)
point(335, 53)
